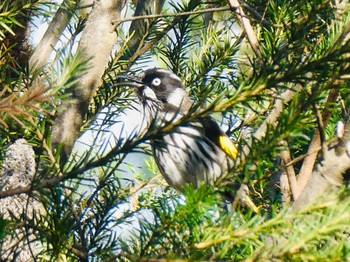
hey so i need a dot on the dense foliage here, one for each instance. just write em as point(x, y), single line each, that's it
point(107, 202)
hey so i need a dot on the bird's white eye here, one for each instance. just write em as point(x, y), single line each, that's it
point(156, 81)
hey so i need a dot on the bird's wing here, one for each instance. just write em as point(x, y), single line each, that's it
point(216, 135)
point(227, 146)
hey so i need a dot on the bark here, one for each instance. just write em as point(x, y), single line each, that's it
point(95, 45)
point(46, 45)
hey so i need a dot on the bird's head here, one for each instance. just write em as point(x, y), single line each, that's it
point(160, 90)
point(166, 87)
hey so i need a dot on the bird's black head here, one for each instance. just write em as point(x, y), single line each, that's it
point(165, 87)
point(162, 82)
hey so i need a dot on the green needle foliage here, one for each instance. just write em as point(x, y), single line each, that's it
point(107, 201)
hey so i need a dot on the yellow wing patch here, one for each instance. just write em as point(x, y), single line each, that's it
point(227, 146)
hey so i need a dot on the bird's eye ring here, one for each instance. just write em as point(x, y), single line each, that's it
point(156, 81)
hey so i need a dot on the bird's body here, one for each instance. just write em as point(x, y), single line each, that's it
point(194, 153)
point(188, 156)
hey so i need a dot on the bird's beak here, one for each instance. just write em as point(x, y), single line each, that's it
point(135, 82)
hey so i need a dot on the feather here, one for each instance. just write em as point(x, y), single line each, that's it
point(227, 146)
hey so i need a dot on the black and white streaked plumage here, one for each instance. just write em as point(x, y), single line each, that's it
point(195, 153)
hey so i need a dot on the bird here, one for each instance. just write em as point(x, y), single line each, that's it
point(198, 152)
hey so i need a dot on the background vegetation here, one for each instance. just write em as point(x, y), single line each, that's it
point(273, 73)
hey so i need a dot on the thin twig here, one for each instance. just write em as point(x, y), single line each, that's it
point(257, 17)
point(204, 11)
point(272, 118)
point(247, 28)
point(150, 44)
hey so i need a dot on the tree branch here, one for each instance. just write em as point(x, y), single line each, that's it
point(154, 16)
point(96, 43)
point(290, 172)
point(309, 162)
point(138, 31)
point(271, 119)
point(327, 174)
point(247, 28)
point(46, 45)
